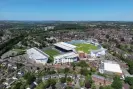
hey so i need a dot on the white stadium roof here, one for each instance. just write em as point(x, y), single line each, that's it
point(98, 50)
point(66, 55)
point(112, 67)
point(37, 54)
point(65, 46)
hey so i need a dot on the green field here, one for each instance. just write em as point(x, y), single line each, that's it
point(51, 52)
point(18, 50)
point(85, 47)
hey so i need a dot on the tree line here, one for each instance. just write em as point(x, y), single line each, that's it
point(9, 44)
point(69, 27)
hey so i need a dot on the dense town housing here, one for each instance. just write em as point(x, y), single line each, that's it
point(66, 55)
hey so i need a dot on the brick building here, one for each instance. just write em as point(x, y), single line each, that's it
point(102, 81)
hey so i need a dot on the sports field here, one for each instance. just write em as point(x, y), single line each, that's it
point(51, 52)
point(85, 47)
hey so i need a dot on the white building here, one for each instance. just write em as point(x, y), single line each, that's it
point(65, 46)
point(64, 58)
point(97, 53)
point(110, 67)
point(37, 55)
point(49, 27)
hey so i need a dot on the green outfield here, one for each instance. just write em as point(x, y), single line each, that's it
point(51, 52)
point(85, 47)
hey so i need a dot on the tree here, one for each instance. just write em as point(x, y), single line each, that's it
point(63, 80)
point(131, 70)
point(73, 65)
point(50, 60)
point(52, 82)
point(68, 87)
point(108, 87)
point(101, 87)
point(41, 86)
point(47, 84)
point(131, 87)
point(93, 69)
point(82, 64)
point(10, 43)
point(29, 77)
point(19, 65)
point(23, 86)
point(87, 84)
point(26, 75)
point(17, 86)
point(93, 86)
point(107, 36)
point(130, 64)
point(88, 79)
point(69, 79)
point(84, 71)
point(66, 70)
point(52, 72)
point(117, 83)
point(81, 83)
point(129, 80)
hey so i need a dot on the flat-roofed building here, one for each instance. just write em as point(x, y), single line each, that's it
point(37, 55)
point(110, 68)
point(66, 58)
point(65, 46)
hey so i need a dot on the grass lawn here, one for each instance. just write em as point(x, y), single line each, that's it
point(85, 47)
point(51, 52)
point(18, 50)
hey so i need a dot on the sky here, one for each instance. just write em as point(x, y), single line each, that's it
point(67, 10)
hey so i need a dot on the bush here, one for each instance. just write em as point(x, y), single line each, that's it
point(63, 80)
point(66, 70)
point(29, 77)
point(84, 71)
point(17, 85)
point(69, 79)
point(129, 80)
point(50, 82)
point(82, 64)
point(68, 87)
point(117, 83)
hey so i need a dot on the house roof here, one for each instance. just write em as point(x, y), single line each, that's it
point(101, 77)
point(126, 86)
